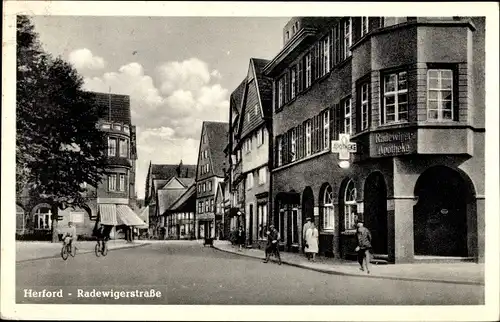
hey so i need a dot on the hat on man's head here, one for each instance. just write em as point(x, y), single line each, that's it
point(308, 219)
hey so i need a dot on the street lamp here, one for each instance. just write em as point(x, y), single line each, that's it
point(344, 164)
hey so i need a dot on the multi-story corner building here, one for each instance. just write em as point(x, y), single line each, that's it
point(409, 94)
point(111, 201)
point(210, 171)
point(249, 134)
point(158, 176)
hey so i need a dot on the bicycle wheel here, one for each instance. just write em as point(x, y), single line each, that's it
point(105, 250)
point(73, 250)
point(97, 250)
point(64, 252)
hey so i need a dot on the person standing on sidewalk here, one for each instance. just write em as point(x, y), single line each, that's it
point(272, 247)
point(364, 239)
point(307, 225)
point(312, 241)
point(240, 237)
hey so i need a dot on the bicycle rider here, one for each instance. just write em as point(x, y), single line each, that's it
point(69, 236)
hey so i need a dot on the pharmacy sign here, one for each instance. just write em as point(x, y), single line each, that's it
point(344, 147)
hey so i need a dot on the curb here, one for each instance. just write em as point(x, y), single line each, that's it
point(81, 252)
point(332, 272)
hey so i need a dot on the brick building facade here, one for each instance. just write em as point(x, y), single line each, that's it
point(409, 92)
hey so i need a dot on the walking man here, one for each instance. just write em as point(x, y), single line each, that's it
point(273, 238)
point(364, 239)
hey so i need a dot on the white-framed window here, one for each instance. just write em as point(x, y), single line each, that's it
point(308, 70)
point(122, 182)
point(293, 145)
point(207, 205)
point(256, 109)
point(42, 218)
point(124, 148)
point(395, 97)
point(199, 188)
point(293, 82)
point(207, 167)
point(106, 126)
point(350, 206)
point(328, 209)
point(326, 55)
point(347, 37)
point(111, 147)
point(211, 205)
point(250, 181)
point(280, 151)
point(347, 116)
point(209, 188)
point(126, 129)
point(112, 182)
point(248, 116)
point(205, 138)
point(281, 91)
point(262, 221)
point(262, 175)
point(200, 207)
point(117, 127)
point(204, 186)
point(308, 137)
point(326, 130)
point(364, 25)
point(440, 94)
point(364, 106)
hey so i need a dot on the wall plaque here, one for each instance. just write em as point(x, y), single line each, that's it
point(393, 142)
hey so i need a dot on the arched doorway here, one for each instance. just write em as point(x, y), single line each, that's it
point(307, 205)
point(440, 215)
point(375, 211)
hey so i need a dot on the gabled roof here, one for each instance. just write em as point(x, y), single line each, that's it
point(217, 140)
point(237, 96)
point(167, 197)
point(159, 183)
point(264, 84)
point(187, 181)
point(181, 201)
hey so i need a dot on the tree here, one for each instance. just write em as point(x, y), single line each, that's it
point(59, 146)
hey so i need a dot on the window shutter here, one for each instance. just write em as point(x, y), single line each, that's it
point(332, 123)
point(285, 148)
point(300, 76)
point(285, 87)
point(321, 130)
point(313, 64)
point(318, 132)
point(331, 52)
point(276, 105)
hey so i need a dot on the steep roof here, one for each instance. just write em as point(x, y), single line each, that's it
point(217, 140)
point(237, 96)
point(184, 198)
point(265, 85)
point(167, 197)
point(186, 181)
point(167, 171)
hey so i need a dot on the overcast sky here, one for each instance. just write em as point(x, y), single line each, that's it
point(177, 71)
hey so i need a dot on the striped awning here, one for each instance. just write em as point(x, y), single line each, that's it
point(127, 216)
point(107, 214)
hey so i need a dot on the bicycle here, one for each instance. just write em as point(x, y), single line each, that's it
point(68, 249)
point(101, 250)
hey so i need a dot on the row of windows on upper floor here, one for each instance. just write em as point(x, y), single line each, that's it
point(254, 141)
point(122, 150)
point(115, 126)
point(204, 168)
point(323, 56)
point(205, 186)
point(314, 135)
point(116, 182)
point(261, 173)
point(205, 206)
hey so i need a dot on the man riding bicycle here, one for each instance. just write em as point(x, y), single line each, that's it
point(102, 234)
point(70, 235)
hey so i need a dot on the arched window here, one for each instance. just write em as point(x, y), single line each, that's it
point(42, 218)
point(328, 209)
point(350, 206)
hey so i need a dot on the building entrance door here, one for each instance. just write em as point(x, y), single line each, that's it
point(250, 224)
point(375, 211)
point(440, 216)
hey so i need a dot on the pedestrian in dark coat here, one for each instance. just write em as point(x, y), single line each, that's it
point(364, 239)
point(240, 237)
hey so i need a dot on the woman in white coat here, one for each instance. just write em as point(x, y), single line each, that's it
point(312, 241)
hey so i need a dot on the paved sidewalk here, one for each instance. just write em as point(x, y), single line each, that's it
point(32, 250)
point(457, 273)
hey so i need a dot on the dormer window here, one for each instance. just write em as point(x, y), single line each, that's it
point(117, 127)
point(126, 129)
point(106, 126)
point(287, 35)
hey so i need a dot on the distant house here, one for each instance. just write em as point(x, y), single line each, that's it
point(179, 217)
point(210, 171)
point(158, 176)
